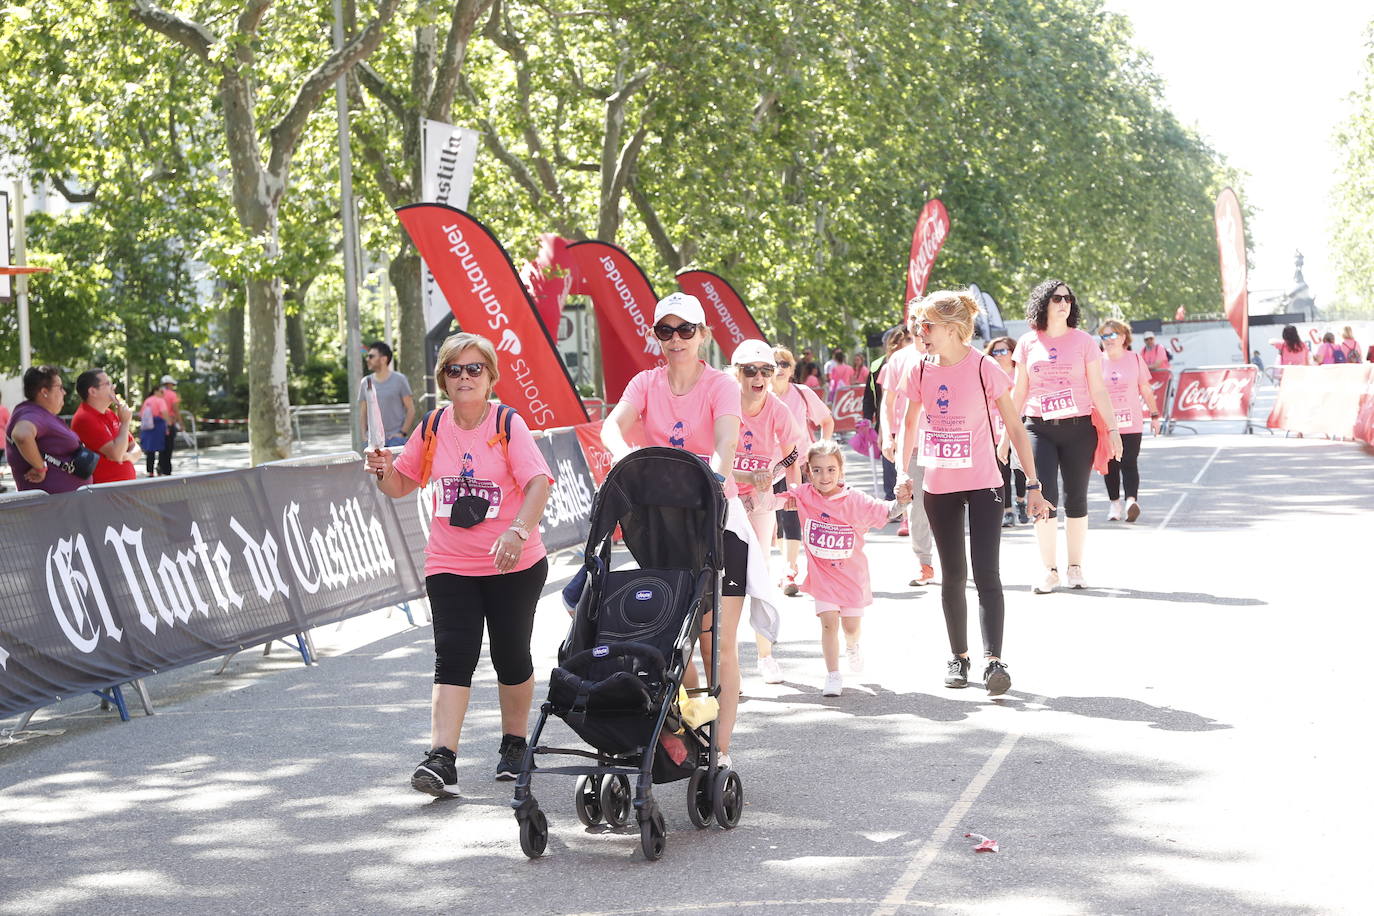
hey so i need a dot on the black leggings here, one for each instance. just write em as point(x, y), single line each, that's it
point(1007, 473)
point(1067, 449)
point(1126, 470)
point(946, 514)
point(506, 601)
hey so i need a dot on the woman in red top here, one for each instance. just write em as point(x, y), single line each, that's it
point(485, 563)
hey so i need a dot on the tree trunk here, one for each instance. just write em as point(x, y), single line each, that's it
point(269, 419)
point(410, 326)
point(295, 340)
point(233, 332)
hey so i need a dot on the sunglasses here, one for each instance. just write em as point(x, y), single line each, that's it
point(473, 370)
point(925, 326)
point(1110, 335)
point(1065, 298)
point(686, 331)
point(751, 371)
point(784, 365)
point(1000, 351)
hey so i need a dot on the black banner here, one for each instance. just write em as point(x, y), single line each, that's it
point(568, 515)
point(116, 582)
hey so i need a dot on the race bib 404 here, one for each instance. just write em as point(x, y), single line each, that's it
point(1058, 404)
point(946, 449)
point(451, 488)
point(829, 542)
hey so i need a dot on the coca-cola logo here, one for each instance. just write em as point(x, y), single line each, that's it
point(849, 403)
point(931, 231)
point(1228, 397)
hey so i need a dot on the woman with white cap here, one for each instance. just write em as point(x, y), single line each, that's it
point(686, 404)
point(767, 449)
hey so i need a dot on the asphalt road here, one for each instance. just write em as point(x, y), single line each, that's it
point(1183, 736)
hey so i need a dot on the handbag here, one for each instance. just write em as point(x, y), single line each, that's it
point(81, 463)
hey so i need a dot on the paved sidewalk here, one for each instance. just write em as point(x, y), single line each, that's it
point(1179, 738)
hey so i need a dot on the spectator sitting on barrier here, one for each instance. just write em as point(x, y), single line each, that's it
point(43, 453)
point(485, 562)
point(102, 423)
point(393, 395)
point(152, 428)
point(1293, 350)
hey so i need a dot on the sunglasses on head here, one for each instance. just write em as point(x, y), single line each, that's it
point(1067, 297)
point(1110, 335)
point(1000, 351)
point(751, 371)
point(473, 370)
point(665, 332)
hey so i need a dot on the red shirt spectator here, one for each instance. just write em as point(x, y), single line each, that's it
point(98, 429)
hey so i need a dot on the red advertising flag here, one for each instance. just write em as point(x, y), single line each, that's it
point(1159, 384)
point(932, 228)
point(624, 304)
point(479, 281)
point(1221, 393)
point(1231, 255)
point(848, 408)
point(726, 314)
point(597, 455)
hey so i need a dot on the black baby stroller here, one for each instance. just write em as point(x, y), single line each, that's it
point(632, 636)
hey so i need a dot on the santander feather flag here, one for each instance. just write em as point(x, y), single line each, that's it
point(624, 303)
point(478, 279)
point(932, 228)
point(726, 314)
point(1234, 273)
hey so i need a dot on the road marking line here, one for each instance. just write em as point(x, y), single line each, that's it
point(897, 897)
point(1207, 465)
point(1181, 498)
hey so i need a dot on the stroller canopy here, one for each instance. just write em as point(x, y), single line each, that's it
point(669, 507)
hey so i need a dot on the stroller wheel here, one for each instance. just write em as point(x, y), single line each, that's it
point(653, 835)
point(534, 834)
point(699, 805)
point(615, 800)
point(728, 798)
point(587, 800)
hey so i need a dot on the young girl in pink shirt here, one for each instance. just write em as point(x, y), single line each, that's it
point(953, 438)
point(834, 520)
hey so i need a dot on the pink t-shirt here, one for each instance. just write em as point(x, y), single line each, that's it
point(955, 437)
point(1289, 357)
point(685, 421)
point(1058, 372)
point(467, 462)
point(892, 376)
point(1123, 376)
point(764, 439)
point(841, 375)
point(806, 408)
point(833, 531)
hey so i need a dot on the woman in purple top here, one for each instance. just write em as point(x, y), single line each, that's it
point(39, 446)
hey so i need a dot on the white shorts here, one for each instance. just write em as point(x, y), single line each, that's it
point(823, 606)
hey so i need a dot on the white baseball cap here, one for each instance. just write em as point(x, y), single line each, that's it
point(683, 305)
point(753, 351)
point(168, 380)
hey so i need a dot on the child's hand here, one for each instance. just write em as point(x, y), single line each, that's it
point(903, 491)
point(789, 504)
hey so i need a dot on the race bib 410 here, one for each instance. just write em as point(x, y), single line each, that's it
point(451, 488)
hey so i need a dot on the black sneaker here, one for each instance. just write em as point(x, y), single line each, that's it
point(1021, 517)
point(437, 774)
point(996, 678)
point(956, 674)
point(512, 755)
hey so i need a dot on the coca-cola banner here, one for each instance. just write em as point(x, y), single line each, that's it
point(932, 228)
point(482, 288)
point(1230, 226)
point(726, 313)
point(848, 408)
point(624, 302)
point(1336, 401)
point(116, 582)
point(1217, 393)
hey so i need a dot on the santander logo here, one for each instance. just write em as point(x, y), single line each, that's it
point(627, 302)
point(510, 343)
point(727, 320)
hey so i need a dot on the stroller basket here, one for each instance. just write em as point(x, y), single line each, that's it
point(605, 693)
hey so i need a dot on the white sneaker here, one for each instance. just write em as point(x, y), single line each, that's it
point(1075, 577)
point(1114, 513)
point(1132, 510)
point(769, 672)
point(724, 762)
point(834, 685)
point(855, 654)
point(1049, 583)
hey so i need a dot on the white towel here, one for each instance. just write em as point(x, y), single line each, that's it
point(759, 587)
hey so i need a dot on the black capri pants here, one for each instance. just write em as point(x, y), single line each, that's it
point(1127, 470)
point(505, 602)
point(789, 523)
point(1064, 448)
point(945, 511)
